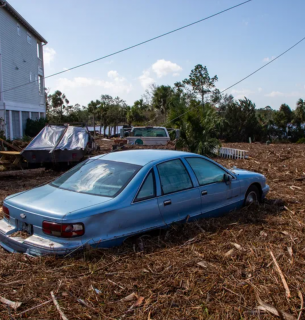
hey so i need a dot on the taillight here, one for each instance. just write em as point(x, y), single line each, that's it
point(63, 230)
point(6, 212)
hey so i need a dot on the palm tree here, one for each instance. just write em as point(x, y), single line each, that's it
point(93, 109)
point(200, 128)
point(58, 100)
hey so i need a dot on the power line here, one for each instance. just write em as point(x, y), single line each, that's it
point(265, 65)
point(134, 46)
point(251, 74)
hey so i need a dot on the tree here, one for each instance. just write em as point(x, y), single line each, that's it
point(241, 121)
point(299, 113)
point(283, 117)
point(57, 103)
point(201, 82)
point(161, 97)
point(200, 129)
point(93, 110)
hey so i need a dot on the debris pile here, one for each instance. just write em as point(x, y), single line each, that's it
point(248, 264)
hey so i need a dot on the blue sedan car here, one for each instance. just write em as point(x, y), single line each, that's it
point(108, 198)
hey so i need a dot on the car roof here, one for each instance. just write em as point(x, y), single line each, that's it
point(144, 156)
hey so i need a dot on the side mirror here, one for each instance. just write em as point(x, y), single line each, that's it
point(227, 179)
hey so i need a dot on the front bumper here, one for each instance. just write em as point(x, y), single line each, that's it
point(265, 190)
point(34, 245)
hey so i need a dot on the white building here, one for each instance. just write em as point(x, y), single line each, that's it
point(21, 72)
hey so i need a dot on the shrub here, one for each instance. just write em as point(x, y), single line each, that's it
point(302, 140)
point(33, 127)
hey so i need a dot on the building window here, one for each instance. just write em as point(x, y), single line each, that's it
point(18, 29)
point(29, 38)
point(39, 55)
point(25, 117)
point(35, 115)
point(40, 85)
point(16, 124)
point(8, 124)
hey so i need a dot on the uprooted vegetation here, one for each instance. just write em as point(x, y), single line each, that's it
point(248, 262)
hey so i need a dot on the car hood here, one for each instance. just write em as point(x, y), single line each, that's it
point(52, 201)
point(241, 173)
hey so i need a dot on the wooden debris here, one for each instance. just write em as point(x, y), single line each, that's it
point(302, 304)
point(229, 253)
point(277, 267)
point(15, 173)
point(267, 307)
point(33, 308)
point(58, 307)
point(130, 297)
point(11, 304)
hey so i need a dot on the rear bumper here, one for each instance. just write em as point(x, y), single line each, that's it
point(34, 245)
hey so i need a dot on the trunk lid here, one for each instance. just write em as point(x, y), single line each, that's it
point(47, 203)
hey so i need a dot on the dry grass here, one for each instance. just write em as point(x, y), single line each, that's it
point(213, 269)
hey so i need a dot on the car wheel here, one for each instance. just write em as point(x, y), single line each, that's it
point(252, 196)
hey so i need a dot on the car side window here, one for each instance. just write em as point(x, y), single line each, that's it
point(174, 176)
point(206, 171)
point(148, 189)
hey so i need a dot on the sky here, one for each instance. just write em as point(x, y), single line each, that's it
point(231, 45)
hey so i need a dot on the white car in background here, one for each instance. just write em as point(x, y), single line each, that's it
point(148, 136)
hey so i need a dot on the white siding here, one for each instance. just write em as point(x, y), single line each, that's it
point(18, 60)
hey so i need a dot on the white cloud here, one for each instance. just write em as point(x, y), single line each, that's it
point(275, 94)
point(112, 74)
point(145, 79)
point(259, 89)
point(163, 67)
point(116, 85)
point(267, 59)
point(240, 94)
point(48, 55)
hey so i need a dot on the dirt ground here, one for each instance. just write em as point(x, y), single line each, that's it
point(219, 268)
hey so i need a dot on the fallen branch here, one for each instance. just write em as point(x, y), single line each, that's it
point(302, 304)
point(58, 307)
point(12, 304)
point(41, 304)
point(267, 307)
point(281, 275)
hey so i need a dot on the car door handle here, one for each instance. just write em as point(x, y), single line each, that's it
point(167, 203)
point(204, 192)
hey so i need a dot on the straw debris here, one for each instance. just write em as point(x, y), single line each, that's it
point(180, 273)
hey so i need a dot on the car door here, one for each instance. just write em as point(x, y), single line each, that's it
point(217, 196)
point(179, 199)
point(145, 208)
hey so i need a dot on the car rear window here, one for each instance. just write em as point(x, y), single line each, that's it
point(98, 177)
point(149, 132)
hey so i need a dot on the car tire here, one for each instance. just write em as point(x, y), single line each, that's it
point(252, 196)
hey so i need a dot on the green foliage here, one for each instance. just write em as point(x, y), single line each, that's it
point(240, 121)
point(200, 129)
point(57, 104)
point(301, 140)
point(200, 82)
point(193, 105)
point(33, 127)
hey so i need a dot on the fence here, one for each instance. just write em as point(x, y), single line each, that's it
point(232, 153)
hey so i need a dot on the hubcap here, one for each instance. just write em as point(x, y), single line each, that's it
point(251, 198)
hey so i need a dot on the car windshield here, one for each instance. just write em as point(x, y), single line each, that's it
point(98, 177)
point(149, 132)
